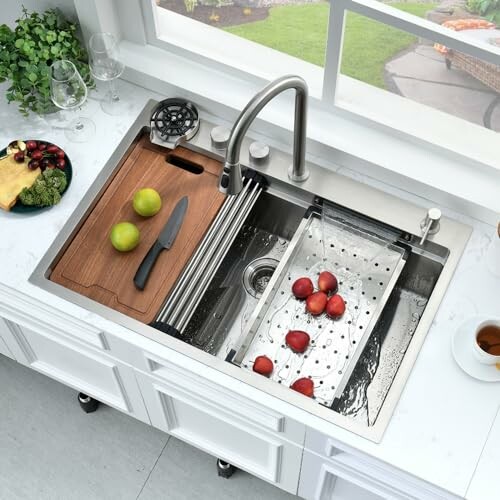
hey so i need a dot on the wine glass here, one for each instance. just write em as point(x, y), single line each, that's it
point(105, 64)
point(68, 91)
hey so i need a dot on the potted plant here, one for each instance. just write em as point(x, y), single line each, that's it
point(27, 52)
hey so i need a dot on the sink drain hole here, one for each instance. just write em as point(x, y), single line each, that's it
point(257, 275)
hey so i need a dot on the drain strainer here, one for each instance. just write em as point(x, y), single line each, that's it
point(258, 274)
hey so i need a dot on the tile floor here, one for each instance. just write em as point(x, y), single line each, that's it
point(51, 450)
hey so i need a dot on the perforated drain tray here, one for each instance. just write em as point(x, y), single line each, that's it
point(367, 267)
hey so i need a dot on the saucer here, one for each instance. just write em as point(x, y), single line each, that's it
point(461, 346)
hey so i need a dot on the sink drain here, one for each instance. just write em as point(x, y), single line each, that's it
point(257, 275)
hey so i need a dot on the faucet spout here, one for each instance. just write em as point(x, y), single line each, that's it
point(231, 181)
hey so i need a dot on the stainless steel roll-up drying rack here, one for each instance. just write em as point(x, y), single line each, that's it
point(193, 282)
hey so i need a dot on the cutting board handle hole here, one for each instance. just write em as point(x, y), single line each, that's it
point(188, 165)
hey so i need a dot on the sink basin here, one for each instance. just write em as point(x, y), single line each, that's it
point(242, 280)
point(226, 308)
point(243, 275)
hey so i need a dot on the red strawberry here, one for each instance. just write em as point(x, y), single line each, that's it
point(302, 288)
point(316, 303)
point(297, 340)
point(304, 386)
point(327, 282)
point(263, 365)
point(335, 307)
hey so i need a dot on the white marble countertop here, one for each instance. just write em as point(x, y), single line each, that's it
point(443, 429)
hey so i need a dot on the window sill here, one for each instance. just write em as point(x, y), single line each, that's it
point(334, 139)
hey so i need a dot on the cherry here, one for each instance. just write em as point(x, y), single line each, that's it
point(19, 156)
point(60, 164)
point(31, 145)
point(36, 154)
point(60, 155)
point(42, 146)
point(33, 164)
point(52, 149)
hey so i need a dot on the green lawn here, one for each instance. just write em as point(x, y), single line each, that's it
point(300, 30)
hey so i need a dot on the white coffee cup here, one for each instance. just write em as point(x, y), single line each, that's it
point(481, 355)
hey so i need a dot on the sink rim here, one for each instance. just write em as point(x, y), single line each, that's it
point(344, 191)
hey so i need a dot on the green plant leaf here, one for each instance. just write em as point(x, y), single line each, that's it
point(27, 51)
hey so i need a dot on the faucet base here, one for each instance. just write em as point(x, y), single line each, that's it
point(297, 178)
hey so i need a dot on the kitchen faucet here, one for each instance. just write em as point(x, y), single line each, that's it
point(231, 181)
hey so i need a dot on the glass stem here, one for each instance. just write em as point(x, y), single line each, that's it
point(76, 120)
point(113, 92)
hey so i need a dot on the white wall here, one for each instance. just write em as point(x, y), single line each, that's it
point(10, 10)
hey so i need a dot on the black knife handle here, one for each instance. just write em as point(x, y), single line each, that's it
point(142, 274)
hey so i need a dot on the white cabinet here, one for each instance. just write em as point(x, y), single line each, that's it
point(87, 371)
point(326, 461)
point(224, 427)
point(319, 480)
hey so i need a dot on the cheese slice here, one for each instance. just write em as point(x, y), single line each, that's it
point(13, 178)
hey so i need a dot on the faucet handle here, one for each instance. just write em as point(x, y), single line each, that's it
point(220, 137)
point(430, 224)
point(258, 153)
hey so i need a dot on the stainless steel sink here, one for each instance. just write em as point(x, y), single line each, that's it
point(231, 298)
point(213, 327)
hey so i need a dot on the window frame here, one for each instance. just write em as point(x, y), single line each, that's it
point(324, 82)
point(468, 168)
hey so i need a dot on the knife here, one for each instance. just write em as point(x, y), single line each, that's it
point(164, 241)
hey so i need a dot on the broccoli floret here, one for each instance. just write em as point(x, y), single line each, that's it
point(39, 186)
point(56, 178)
point(26, 196)
point(46, 190)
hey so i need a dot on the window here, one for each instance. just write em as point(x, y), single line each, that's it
point(352, 61)
point(296, 28)
point(379, 45)
point(422, 71)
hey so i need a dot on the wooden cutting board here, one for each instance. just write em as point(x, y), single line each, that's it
point(92, 267)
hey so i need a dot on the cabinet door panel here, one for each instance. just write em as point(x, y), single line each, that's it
point(198, 421)
point(99, 376)
point(319, 481)
point(240, 406)
point(370, 473)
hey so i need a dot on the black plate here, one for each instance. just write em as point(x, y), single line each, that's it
point(19, 208)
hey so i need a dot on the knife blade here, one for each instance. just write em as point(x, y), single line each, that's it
point(164, 242)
